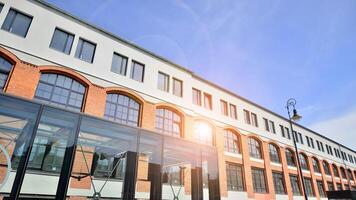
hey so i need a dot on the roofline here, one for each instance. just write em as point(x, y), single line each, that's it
point(146, 51)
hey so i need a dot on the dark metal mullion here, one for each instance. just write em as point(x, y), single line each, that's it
point(68, 160)
point(20, 173)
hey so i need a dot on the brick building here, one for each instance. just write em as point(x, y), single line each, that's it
point(85, 114)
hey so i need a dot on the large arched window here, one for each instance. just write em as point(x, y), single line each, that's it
point(232, 143)
point(290, 157)
point(254, 148)
point(336, 172)
point(349, 173)
point(61, 91)
point(343, 173)
point(274, 153)
point(168, 122)
point(122, 109)
point(303, 161)
point(326, 168)
point(5, 68)
point(203, 132)
point(316, 165)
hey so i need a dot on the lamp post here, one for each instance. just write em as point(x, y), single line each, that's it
point(291, 104)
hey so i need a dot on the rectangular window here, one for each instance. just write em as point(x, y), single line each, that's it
point(312, 142)
point(295, 185)
point(271, 126)
point(233, 112)
point(137, 71)
point(254, 121)
point(330, 186)
point(196, 97)
point(163, 82)
point(266, 124)
point(321, 188)
point(322, 147)
point(247, 117)
point(177, 87)
point(282, 131)
point(119, 64)
point(278, 182)
point(17, 23)
point(287, 132)
point(1, 6)
point(223, 108)
point(258, 179)
point(308, 187)
point(85, 50)
point(208, 104)
point(295, 135)
point(62, 41)
point(234, 177)
point(300, 138)
point(307, 141)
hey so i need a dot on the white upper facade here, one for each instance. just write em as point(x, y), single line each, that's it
point(34, 48)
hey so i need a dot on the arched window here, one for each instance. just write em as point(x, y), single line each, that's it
point(232, 143)
point(303, 162)
point(316, 165)
point(343, 173)
point(290, 157)
point(61, 91)
point(273, 153)
point(168, 122)
point(122, 109)
point(336, 172)
point(254, 148)
point(203, 132)
point(349, 173)
point(326, 168)
point(5, 68)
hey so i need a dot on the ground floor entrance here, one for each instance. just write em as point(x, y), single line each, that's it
point(51, 153)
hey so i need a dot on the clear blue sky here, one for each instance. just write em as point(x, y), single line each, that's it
point(265, 51)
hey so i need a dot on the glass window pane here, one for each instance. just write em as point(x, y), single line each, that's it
point(85, 50)
point(17, 23)
point(137, 71)
point(118, 64)
point(62, 41)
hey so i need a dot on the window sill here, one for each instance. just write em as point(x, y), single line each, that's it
point(236, 155)
point(276, 164)
point(257, 160)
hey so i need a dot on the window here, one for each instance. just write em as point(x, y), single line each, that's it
point(247, 117)
point(312, 143)
point(254, 148)
point(122, 109)
point(223, 108)
point(295, 136)
point(5, 69)
point(177, 87)
point(196, 97)
point(17, 23)
point(316, 165)
point(254, 121)
point(258, 179)
point(85, 50)
point(234, 177)
point(174, 175)
point(338, 186)
point(233, 113)
point(273, 153)
point(336, 172)
point(163, 82)
point(61, 91)
point(208, 101)
point(232, 143)
point(308, 187)
point(330, 186)
point(303, 162)
point(326, 168)
point(343, 173)
point(295, 185)
point(137, 71)
point(290, 158)
point(203, 132)
point(278, 182)
point(119, 64)
point(287, 132)
point(168, 122)
point(282, 131)
point(349, 174)
point(62, 41)
point(300, 138)
point(1, 6)
point(269, 125)
point(108, 166)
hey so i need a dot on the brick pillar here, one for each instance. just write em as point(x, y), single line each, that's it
point(313, 177)
point(340, 177)
point(148, 116)
point(285, 173)
point(247, 167)
point(221, 161)
point(323, 175)
point(23, 80)
point(269, 177)
point(333, 176)
point(95, 101)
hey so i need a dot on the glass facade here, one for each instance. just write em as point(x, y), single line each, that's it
point(53, 153)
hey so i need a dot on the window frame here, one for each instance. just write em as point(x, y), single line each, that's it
point(228, 136)
point(68, 34)
point(295, 179)
point(166, 78)
point(291, 160)
point(12, 21)
point(233, 111)
point(122, 57)
point(224, 108)
point(164, 118)
point(274, 155)
point(132, 72)
point(198, 100)
point(263, 188)
point(281, 177)
point(255, 148)
point(5, 73)
point(209, 98)
point(79, 54)
point(175, 80)
point(240, 184)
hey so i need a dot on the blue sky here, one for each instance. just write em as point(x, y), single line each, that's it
point(265, 51)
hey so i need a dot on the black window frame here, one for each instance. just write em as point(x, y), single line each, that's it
point(274, 153)
point(238, 182)
point(133, 67)
point(278, 182)
point(123, 68)
point(68, 34)
point(166, 80)
point(255, 148)
point(259, 181)
point(79, 54)
point(12, 21)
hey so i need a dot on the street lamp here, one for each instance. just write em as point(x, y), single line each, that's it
point(291, 104)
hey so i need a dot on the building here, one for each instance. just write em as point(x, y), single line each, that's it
point(85, 114)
